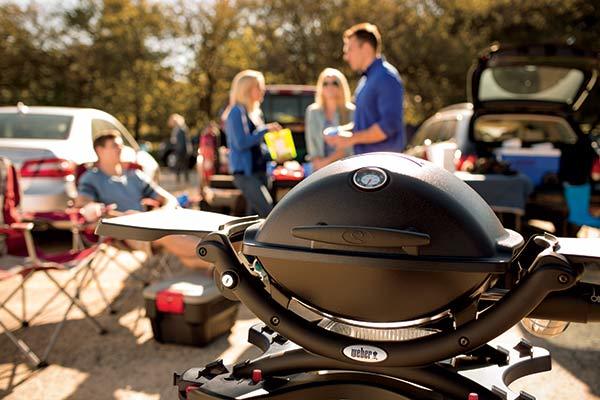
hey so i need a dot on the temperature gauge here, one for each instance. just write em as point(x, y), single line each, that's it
point(370, 178)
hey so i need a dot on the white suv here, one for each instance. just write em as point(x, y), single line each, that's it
point(450, 125)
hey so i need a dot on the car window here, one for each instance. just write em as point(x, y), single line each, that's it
point(34, 126)
point(286, 108)
point(449, 130)
point(419, 136)
point(432, 131)
point(530, 82)
point(527, 129)
point(101, 124)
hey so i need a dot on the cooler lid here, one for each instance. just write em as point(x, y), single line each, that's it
point(195, 288)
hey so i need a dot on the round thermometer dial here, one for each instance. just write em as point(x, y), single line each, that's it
point(370, 178)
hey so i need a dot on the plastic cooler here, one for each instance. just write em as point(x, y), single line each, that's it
point(188, 310)
point(532, 162)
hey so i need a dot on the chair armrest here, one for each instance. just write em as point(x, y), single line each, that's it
point(16, 226)
point(75, 215)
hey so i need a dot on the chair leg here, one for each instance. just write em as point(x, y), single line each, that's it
point(133, 274)
point(57, 330)
point(24, 349)
point(165, 266)
point(4, 307)
point(54, 296)
point(23, 321)
point(24, 303)
point(111, 310)
point(77, 303)
point(94, 276)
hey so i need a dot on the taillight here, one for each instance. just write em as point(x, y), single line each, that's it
point(48, 168)
point(132, 166)
point(283, 174)
point(466, 162)
point(169, 302)
point(595, 172)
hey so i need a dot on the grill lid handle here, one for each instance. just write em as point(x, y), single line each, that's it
point(362, 236)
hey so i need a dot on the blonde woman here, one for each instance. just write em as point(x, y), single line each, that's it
point(332, 107)
point(245, 130)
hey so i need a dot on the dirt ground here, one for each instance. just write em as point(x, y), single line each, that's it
point(127, 363)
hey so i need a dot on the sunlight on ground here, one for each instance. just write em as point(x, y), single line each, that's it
point(12, 374)
point(54, 383)
point(137, 323)
point(238, 340)
point(536, 384)
point(128, 394)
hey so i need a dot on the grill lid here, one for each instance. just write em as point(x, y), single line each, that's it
point(382, 237)
point(387, 203)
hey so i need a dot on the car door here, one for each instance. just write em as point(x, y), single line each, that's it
point(433, 131)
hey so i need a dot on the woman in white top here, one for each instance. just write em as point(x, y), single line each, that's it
point(332, 108)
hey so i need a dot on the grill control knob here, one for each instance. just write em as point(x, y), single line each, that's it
point(229, 280)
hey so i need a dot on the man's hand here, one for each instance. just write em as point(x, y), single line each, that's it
point(343, 140)
point(92, 211)
point(319, 163)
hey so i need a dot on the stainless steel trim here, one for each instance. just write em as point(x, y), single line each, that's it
point(296, 304)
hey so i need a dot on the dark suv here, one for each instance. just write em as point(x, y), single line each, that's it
point(287, 105)
point(532, 106)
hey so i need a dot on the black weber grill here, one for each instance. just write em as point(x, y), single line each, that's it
point(380, 276)
point(381, 238)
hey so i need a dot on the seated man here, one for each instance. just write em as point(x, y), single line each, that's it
point(109, 184)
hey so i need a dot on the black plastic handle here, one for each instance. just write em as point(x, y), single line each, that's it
point(579, 304)
point(362, 236)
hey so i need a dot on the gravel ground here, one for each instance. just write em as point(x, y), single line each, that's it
point(127, 363)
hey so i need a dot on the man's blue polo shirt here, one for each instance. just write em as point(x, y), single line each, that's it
point(379, 97)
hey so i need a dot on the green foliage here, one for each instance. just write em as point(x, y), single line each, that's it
point(142, 60)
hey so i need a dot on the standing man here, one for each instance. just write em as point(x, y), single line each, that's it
point(378, 121)
point(181, 143)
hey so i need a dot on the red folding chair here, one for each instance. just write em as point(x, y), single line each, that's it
point(21, 259)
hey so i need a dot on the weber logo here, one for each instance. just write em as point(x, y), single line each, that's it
point(369, 354)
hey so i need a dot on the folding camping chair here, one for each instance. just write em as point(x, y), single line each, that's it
point(19, 258)
point(84, 236)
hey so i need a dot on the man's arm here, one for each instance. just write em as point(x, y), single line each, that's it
point(373, 134)
point(92, 210)
point(389, 103)
point(87, 191)
point(81, 200)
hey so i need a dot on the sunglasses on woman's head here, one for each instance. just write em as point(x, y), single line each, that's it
point(331, 83)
